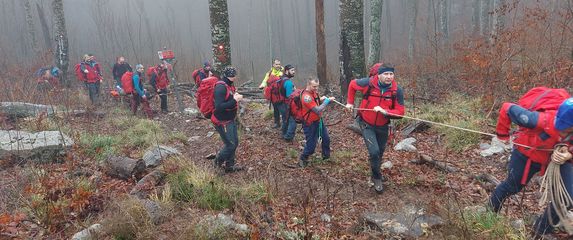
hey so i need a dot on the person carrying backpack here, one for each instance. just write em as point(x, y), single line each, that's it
point(139, 96)
point(223, 118)
point(90, 73)
point(545, 120)
point(386, 98)
point(271, 76)
point(160, 82)
point(289, 123)
point(48, 78)
point(202, 73)
point(119, 68)
point(313, 126)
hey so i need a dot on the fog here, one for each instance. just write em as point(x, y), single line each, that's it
point(137, 29)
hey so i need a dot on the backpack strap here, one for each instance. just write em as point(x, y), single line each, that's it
point(538, 98)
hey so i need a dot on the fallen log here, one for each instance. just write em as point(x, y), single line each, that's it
point(411, 127)
point(124, 167)
point(440, 165)
point(147, 183)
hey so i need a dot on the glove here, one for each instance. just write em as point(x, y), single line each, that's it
point(349, 106)
point(561, 155)
point(322, 98)
point(380, 110)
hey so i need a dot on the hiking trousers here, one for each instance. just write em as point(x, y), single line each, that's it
point(230, 138)
point(311, 133)
point(375, 138)
point(93, 92)
point(136, 100)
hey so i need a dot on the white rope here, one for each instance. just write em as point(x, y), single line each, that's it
point(444, 125)
point(553, 190)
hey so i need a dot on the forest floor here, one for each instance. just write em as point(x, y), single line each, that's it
point(297, 199)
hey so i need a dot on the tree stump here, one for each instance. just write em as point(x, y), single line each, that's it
point(124, 167)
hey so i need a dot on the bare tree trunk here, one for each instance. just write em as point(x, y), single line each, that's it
point(220, 36)
point(321, 44)
point(388, 32)
point(352, 63)
point(413, 6)
point(498, 20)
point(475, 17)
point(444, 28)
point(45, 28)
point(484, 17)
point(375, 24)
point(31, 26)
point(61, 35)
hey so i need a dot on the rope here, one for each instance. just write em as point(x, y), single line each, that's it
point(443, 125)
point(553, 190)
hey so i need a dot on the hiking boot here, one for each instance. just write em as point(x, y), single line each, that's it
point(378, 187)
point(325, 158)
point(234, 168)
point(302, 163)
point(288, 139)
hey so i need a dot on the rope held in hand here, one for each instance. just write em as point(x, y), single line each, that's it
point(443, 125)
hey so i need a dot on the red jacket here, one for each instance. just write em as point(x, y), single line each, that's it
point(160, 78)
point(542, 138)
point(373, 96)
point(94, 73)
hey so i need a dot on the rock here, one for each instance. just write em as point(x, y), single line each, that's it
point(387, 165)
point(124, 167)
point(191, 111)
point(24, 110)
point(484, 146)
point(41, 147)
point(147, 183)
point(496, 147)
point(406, 145)
point(223, 222)
point(89, 233)
point(154, 155)
point(518, 225)
point(411, 222)
point(193, 139)
point(325, 217)
point(209, 134)
point(475, 209)
point(155, 212)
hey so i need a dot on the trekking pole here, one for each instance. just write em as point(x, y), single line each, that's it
point(445, 125)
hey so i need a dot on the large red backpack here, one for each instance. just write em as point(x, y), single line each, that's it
point(294, 102)
point(543, 98)
point(204, 96)
point(80, 75)
point(272, 78)
point(127, 82)
point(150, 71)
point(277, 90)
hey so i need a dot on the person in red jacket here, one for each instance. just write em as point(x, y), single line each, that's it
point(92, 77)
point(386, 99)
point(202, 73)
point(543, 131)
point(160, 81)
point(313, 126)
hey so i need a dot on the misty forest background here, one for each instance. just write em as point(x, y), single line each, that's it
point(508, 43)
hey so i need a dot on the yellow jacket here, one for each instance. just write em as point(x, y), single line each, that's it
point(273, 71)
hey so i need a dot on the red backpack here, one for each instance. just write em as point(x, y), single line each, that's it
point(204, 96)
point(150, 71)
point(542, 98)
point(80, 75)
point(294, 102)
point(127, 82)
point(267, 92)
point(277, 90)
point(194, 76)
